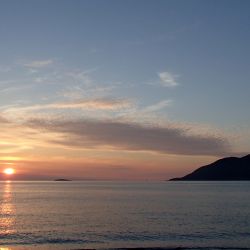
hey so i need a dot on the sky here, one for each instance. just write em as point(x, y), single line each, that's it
point(122, 90)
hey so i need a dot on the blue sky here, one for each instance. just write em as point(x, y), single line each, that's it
point(178, 64)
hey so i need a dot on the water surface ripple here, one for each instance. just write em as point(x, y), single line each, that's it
point(71, 215)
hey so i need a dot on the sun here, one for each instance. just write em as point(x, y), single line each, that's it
point(9, 171)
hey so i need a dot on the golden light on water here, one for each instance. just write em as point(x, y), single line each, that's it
point(7, 211)
point(9, 171)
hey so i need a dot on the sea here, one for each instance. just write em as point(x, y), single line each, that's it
point(107, 214)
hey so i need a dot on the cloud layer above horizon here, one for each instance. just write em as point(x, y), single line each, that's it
point(117, 135)
point(89, 115)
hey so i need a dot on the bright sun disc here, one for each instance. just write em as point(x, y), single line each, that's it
point(9, 171)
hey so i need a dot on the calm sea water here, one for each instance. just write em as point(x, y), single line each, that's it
point(70, 215)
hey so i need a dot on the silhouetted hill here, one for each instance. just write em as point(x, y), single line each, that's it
point(226, 169)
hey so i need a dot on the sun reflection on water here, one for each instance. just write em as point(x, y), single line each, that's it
point(7, 211)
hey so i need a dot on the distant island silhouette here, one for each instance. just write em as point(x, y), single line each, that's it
point(62, 180)
point(226, 169)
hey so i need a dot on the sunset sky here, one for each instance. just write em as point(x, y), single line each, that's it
point(122, 90)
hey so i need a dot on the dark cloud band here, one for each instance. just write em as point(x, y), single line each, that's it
point(130, 136)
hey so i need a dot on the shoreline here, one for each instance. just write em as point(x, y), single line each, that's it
point(63, 247)
point(167, 248)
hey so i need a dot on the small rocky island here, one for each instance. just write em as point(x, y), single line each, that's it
point(226, 169)
point(62, 180)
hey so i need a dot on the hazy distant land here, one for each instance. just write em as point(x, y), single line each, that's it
point(226, 169)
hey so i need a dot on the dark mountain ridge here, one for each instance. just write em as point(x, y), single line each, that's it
point(226, 169)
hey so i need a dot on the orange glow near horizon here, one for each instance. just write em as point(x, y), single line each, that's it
point(9, 171)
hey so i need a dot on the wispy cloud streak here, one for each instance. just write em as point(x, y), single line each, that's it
point(88, 104)
point(39, 64)
point(168, 79)
point(158, 106)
